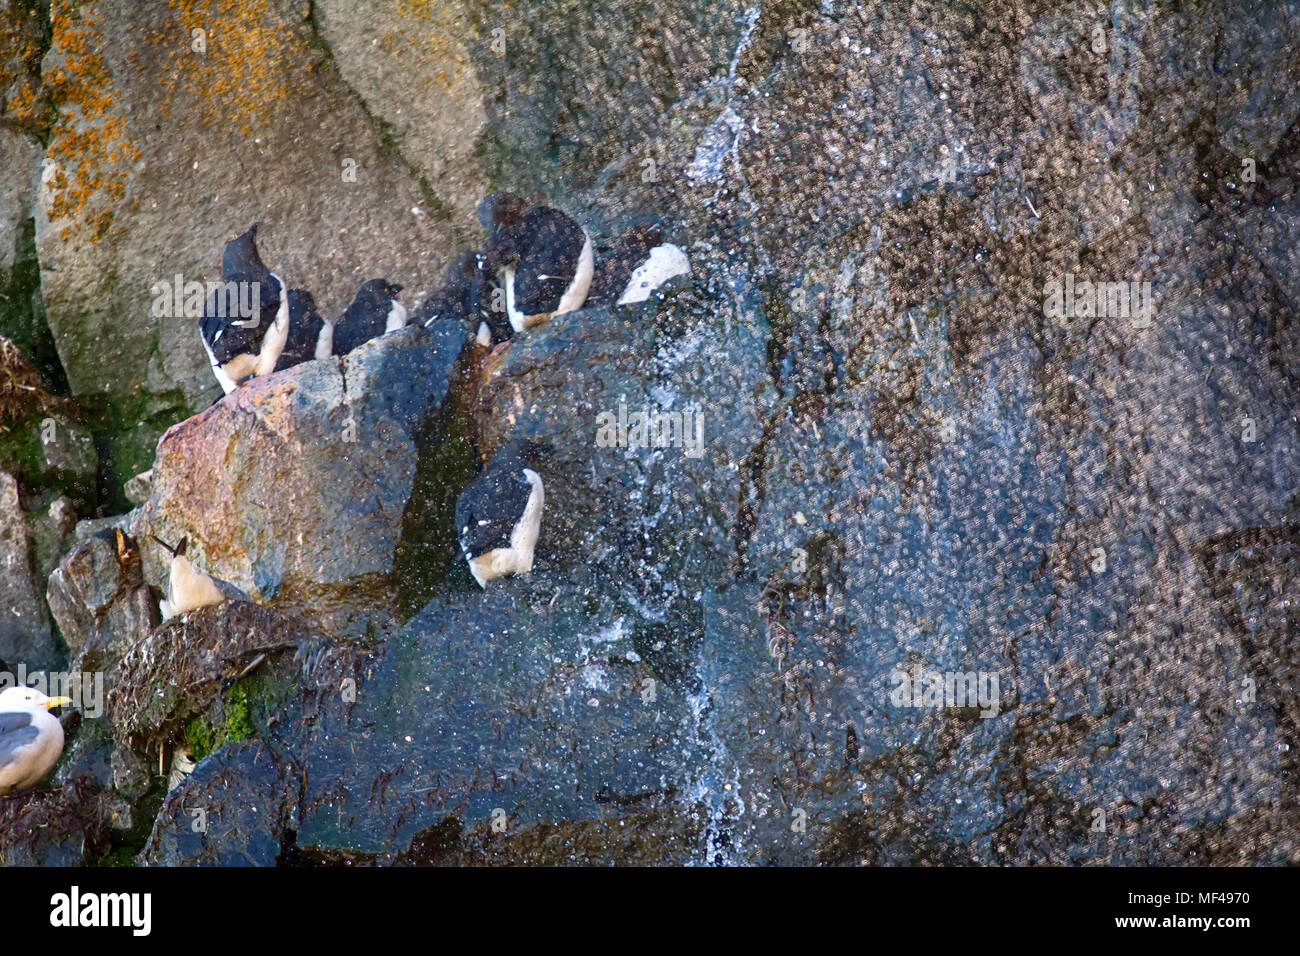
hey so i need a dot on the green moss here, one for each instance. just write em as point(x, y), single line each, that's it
point(21, 454)
point(126, 432)
point(230, 721)
point(427, 553)
point(198, 737)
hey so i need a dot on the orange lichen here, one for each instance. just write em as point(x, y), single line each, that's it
point(90, 148)
point(243, 76)
point(440, 25)
point(20, 69)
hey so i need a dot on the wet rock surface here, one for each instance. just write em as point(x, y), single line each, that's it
point(295, 488)
point(856, 548)
point(24, 628)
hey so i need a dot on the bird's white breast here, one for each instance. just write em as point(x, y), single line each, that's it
point(33, 761)
point(396, 316)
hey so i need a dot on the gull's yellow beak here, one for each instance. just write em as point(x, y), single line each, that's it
point(57, 702)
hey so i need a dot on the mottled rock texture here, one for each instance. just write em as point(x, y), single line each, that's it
point(909, 462)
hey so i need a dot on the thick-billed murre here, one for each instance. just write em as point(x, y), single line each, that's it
point(241, 347)
point(499, 514)
point(375, 311)
point(545, 260)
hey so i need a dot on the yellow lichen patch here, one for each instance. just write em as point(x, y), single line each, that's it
point(439, 26)
point(90, 151)
point(233, 56)
point(20, 68)
point(24, 106)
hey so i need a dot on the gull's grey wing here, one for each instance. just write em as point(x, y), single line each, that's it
point(16, 732)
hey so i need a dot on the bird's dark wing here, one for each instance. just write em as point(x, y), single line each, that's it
point(16, 732)
point(443, 304)
point(549, 260)
point(224, 337)
point(305, 326)
point(489, 508)
point(460, 294)
point(365, 319)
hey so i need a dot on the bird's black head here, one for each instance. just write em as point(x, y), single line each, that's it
point(240, 262)
point(527, 451)
point(177, 551)
point(378, 291)
point(461, 272)
point(644, 231)
point(501, 215)
point(501, 210)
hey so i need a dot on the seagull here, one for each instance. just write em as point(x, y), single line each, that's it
point(31, 738)
point(188, 588)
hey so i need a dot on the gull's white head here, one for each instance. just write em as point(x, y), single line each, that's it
point(29, 699)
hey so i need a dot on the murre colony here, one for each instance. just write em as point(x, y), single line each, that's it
point(537, 262)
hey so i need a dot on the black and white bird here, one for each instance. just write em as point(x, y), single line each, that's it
point(375, 311)
point(241, 347)
point(188, 588)
point(544, 259)
point(499, 514)
point(311, 337)
point(31, 738)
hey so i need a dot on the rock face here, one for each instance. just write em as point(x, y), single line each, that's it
point(55, 828)
point(410, 63)
point(889, 537)
point(99, 599)
point(20, 157)
point(24, 628)
point(162, 151)
point(297, 487)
